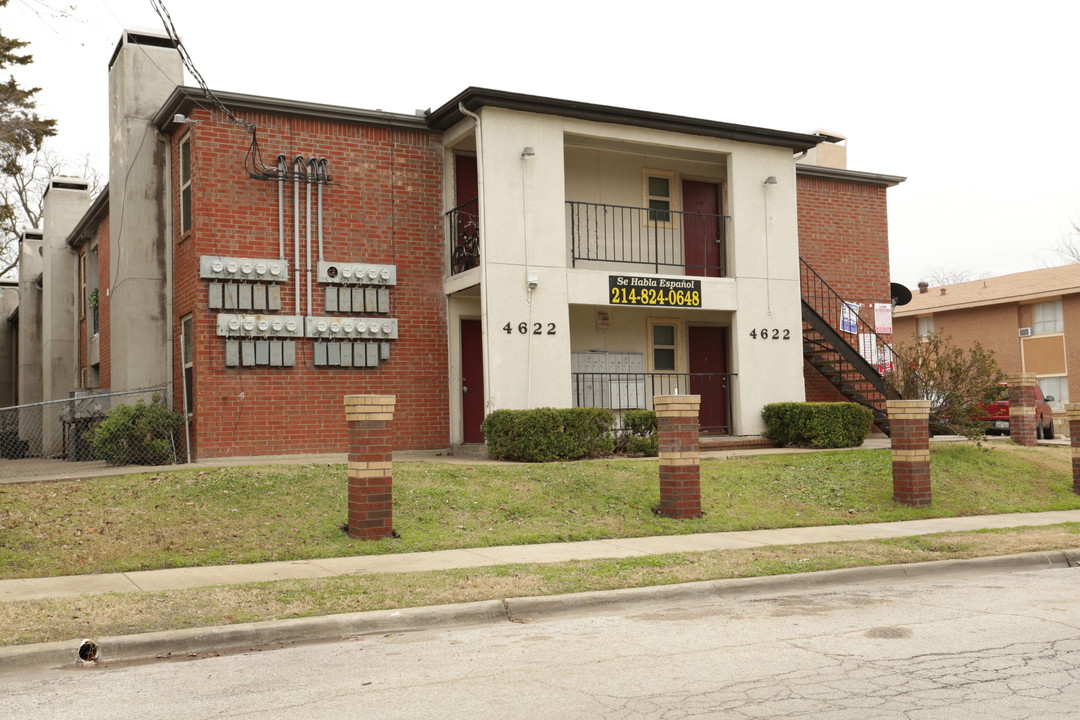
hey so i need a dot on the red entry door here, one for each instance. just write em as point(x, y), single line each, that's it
point(701, 233)
point(708, 356)
point(472, 381)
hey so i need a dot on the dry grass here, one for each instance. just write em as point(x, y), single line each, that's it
point(243, 515)
point(119, 614)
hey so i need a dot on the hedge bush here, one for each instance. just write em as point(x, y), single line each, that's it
point(638, 435)
point(817, 424)
point(547, 434)
point(139, 434)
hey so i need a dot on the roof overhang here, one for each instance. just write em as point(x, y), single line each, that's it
point(853, 176)
point(184, 99)
point(93, 215)
point(475, 98)
point(1048, 294)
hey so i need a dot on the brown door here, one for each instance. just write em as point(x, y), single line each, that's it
point(708, 358)
point(472, 381)
point(702, 241)
point(465, 181)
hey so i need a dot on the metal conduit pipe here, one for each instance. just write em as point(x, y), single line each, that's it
point(322, 181)
point(298, 170)
point(283, 169)
point(312, 173)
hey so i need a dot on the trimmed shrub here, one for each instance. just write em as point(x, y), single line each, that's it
point(547, 434)
point(638, 435)
point(817, 424)
point(139, 434)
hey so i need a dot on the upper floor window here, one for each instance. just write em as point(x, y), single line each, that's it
point(1047, 318)
point(659, 195)
point(185, 184)
point(924, 325)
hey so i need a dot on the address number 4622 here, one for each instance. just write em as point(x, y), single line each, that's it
point(523, 328)
point(770, 334)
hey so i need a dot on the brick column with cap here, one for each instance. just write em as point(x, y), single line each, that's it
point(370, 466)
point(909, 430)
point(1022, 408)
point(1072, 412)
point(680, 458)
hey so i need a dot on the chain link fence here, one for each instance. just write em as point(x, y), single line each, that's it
point(133, 427)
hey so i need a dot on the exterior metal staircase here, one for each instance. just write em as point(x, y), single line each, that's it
point(826, 348)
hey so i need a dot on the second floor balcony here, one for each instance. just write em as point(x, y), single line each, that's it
point(656, 240)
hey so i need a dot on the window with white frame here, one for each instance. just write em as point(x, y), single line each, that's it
point(1057, 388)
point(663, 345)
point(659, 196)
point(185, 184)
point(1046, 318)
point(82, 286)
point(924, 325)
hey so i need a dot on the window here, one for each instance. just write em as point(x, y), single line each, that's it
point(185, 185)
point(924, 325)
point(187, 336)
point(1047, 318)
point(659, 196)
point(663, 345)
point(1057, 388)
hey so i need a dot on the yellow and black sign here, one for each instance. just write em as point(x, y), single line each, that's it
point(635, 290)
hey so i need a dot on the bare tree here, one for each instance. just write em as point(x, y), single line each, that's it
point(22, 196)
point(1067, 251)
point(952, 276)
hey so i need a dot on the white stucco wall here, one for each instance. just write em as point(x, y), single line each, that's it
point(524, 230)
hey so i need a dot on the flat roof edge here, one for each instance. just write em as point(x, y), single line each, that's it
point(474, 98)
point(855, 176)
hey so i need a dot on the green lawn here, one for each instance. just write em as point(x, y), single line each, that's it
point(253, 514)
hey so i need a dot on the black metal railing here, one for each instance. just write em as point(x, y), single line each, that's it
point(668, 241)
point(463, 229)
point(829, 324)
point(635, 391)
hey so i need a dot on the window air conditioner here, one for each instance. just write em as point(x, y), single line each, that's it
point(1026, 332)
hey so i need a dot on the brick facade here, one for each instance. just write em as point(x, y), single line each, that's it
point(844, 237)
point(384, 207)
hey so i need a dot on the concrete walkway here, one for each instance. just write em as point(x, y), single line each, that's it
point(178, 578)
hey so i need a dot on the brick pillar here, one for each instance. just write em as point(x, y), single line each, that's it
point(909, 429)
point(1022, 408)
point(680, 459)
point(370, 465)
point(1072, 412)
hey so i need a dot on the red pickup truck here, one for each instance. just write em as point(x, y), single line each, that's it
point(997, 414)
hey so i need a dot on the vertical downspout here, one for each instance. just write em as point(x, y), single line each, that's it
point(298, 169)
point(283, 169)
point(312, 176)
point(484, 294)
point(322, 181)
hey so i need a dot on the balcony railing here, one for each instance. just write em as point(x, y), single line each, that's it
point(634, 391)
point(660, 241)
point(463, 229)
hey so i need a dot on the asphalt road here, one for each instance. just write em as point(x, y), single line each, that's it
point(987, 646)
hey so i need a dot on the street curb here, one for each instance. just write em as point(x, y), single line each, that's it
point(147, 646)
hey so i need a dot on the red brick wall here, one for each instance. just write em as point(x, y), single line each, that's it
point(844, 237)
point(385, 207)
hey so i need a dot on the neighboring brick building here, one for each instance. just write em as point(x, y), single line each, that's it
point(506, 237)
point(1031, 320)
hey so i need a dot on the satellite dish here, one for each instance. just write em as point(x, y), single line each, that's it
point(900, 294)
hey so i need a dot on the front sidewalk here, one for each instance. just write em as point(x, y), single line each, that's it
point(179, 578)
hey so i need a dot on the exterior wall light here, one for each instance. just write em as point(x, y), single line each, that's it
point(528, 152)
point(771, 180)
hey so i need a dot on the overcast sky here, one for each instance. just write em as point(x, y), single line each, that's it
point(975, 103)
